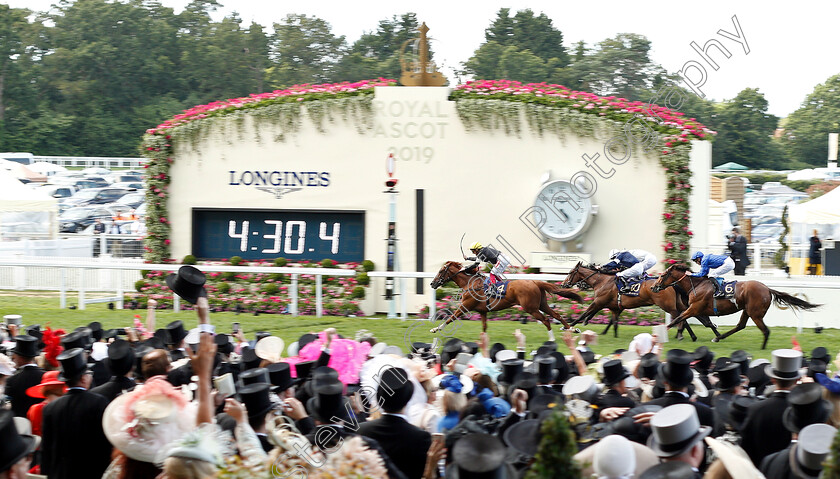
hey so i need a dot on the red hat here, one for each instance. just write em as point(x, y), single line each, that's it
point(50, 378)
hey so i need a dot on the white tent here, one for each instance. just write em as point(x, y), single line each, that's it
point(23, 209)
point(822, 210)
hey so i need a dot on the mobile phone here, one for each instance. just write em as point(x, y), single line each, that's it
point(235, 327)
point(121, 331)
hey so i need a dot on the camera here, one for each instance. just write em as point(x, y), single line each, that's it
point(121, 331)
point(391, 182)
point(235, 328)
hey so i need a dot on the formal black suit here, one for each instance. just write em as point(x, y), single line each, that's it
point(720, 403)
point(763, 432)
point(612, 398)
point(337, 433)
point(777, 465)
point(181, 375)
point(73, 444)
point(16, 386)
point(101, 374)
point(704, 413)
point(113, 388)
point(405, 444)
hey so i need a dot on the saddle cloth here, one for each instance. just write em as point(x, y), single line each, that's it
point(634, 285)
point(497, 290)
point(728, 288)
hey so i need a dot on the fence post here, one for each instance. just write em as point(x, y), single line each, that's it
point(432, 303)
point(82, 288)
point(293, 291)
point(62, 299)
point(176, 303)
point(103, 245)
point(757, 252)
point(403, 308)
point(319, 308)
point(120, 294)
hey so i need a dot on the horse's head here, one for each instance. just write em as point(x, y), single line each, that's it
point(446, 273)
point(573, 277)
point(670, 277)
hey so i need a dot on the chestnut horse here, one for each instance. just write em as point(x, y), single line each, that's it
point(527, 293)
point(751, 297)
point(606, 296)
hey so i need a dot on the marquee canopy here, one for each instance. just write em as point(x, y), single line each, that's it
point(819, 211)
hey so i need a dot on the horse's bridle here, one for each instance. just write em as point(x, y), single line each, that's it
point(582, 281)
point(669, 285)
point(448, 278)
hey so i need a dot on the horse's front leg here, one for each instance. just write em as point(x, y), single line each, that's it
point(690, 312)
point(451, 318)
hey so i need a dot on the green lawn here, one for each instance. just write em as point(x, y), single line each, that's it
point(43, 309)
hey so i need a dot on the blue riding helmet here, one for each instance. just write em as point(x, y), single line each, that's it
point(697, 255)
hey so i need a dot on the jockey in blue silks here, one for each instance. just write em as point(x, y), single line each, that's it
point(633, 263)
point(715, 266)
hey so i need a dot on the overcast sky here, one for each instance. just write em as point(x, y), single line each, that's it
point(792, 45)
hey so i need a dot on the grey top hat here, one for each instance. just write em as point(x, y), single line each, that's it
point(785, 364)
point(675, 429)
point(811, 450)
point(582, 387)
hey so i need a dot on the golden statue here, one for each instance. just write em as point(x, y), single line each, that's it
point(419, 71)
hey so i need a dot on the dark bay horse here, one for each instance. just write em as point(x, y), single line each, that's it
point(606, 297)
point(751, 297)
point(529, 294)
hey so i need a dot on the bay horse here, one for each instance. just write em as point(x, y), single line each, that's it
point(606, 297)
point(529, 294)
point(753, 298)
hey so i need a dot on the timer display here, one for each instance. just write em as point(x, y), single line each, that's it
point(268, 234)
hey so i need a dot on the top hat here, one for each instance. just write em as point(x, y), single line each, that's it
point(35, 331)
point(280, 375)
point(544, 350)
point(394, 390)
point(120, 358)
point(472, 347)
point(73, 364)
point(668, 470)
point(738, 410)
point(510, 369)
point(50, 378)
point(816, 366)
point(261, 334)
point(319, 375)
point(223, 343)
point(785, 365)
point(155, 342)
point(504, 355)
point(703, 357)
point(527, 382)
point(822, 354)
point(805, 406)
point(302, 369)
point(420, 347)
point(451, 350)
point(253, 376)
point(545, 369)
point(729, 377)
point(741, 357)
point(305, 339)
point(256, 399)
point(649, 366)
point(26, 346)
point(479, 455)
point(175, 332)
point(187, 283)
point(677, 369)
point(15, 445)
point(758, 378)
point(614, 372)
point(87, 335)
point(328, 401)
point(561, 366)
point(249, 359)
point(583, 387)
point(495, 348)
point(811, 450)
point(109, 333)
point(588, 356)
point(95, 330)
point(675, 429)
point(12, 319)
point(76, 339)
point(160, 334)
point(720, 363)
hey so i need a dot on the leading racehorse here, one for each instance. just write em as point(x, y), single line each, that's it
point(606, 296)
point(527, 293)
point(751, 297)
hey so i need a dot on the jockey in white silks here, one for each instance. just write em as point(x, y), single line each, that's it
point(635, 263)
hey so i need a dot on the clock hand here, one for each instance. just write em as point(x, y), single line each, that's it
point(565, 216)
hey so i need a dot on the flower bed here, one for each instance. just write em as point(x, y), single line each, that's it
point(261, 292)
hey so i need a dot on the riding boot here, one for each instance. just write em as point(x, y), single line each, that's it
point(622, 284)
point(718, 289)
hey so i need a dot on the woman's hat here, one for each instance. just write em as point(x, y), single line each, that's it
point(50, 378)
point(675, 429)
point(73, 364)
point(811, 450)
point(188, 283)
point(15, 445)
point(614, 457)
point(270, 348)
point(120, 358)
point(256, 399)
point(479, 455)
point(504, 355)
point(677, 369)
point(785, 364)
point(26, 346)
point(614, 372)
point(805, 406)
point(175, 332)
point(728, 377)
point(455, 383)
point(734, 459)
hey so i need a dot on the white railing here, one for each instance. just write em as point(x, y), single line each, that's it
point(92, 161)
point(20, 270)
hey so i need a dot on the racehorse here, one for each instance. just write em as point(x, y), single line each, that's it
point(606, 296)
point(751, 297)
point(527, 293)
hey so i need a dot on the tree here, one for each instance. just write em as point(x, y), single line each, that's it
point(377, 53)
point(806, 131)
point(303, 50)
point(745, 132)
point(12, 23)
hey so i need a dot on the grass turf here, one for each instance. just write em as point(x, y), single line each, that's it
point(43, 309)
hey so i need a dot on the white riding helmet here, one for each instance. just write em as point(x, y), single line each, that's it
point(614, 252)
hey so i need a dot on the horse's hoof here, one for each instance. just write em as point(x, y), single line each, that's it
point(680, 338)
point(433, 330)
point(715, 340)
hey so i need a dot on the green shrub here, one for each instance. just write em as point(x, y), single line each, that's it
point(235, 260)
point(363, 279)
point(223, 287)
point(139, 285)
point(531, 270)
point(368, 265)
point(358, 292)
point(270, 288)
point(228, 276)
point(329, 263)
point(779, 258)
point(440, 293)
point(276, 277)
point(189, 259)
point(144, 272)
point(280, 262)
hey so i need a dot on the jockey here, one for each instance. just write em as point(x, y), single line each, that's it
point(635, 263)
point(715, 266)
point(489, 254)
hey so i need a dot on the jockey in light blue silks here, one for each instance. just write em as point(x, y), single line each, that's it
point(715, 266)
point(635, 262)
point(489, 254)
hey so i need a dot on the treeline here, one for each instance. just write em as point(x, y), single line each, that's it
point(88, 77)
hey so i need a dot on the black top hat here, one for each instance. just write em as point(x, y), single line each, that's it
point(816, 366)
point(668, 470)
point(451, 350)
point(249, 359)
point(720, 363)
point(73, 364)
point(120, 358)
point(561, 366)
point(479, 456)
point(76, 339)
point(187, 283)
point(109, 333)
point(703, 358)
point(588, 356)
point(420, 347)
point(223, 343)
point(95, 330)
point(510, 369)
point(328, 401)
point(742, 358)
point(253, 376)
point(35, 331)
point(262, 334)
point(139, 352)
point(160, 333)
point(155, 342)
point(544, 350)
point(677, 369)
point(26, 346)
point(303, 368)
point(729, 377)
point(320, 374)
point(805, 407)
point(15, 445)
point(175, 332)
point(280, 375)
point(495, 348)
point(87, 334)
point(822, 354)
point(546, 373)
point(649, 366)
point(395, 389)
point(614, 372)
point(527, 382)
point(758, 377)
point(738, 410)
point(472, 347)
point(256, 399)
point(305, 339)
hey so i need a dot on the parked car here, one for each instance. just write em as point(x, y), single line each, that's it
point(131, 200)
point(95, 196)
point(124, 178)
point(137, 185)
point(58, 191)
point(76, 220)
point(766, 231)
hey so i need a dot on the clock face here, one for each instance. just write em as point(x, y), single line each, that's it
point(560, 213)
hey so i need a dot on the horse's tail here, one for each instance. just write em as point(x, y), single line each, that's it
point(555, 289)
point(783, 298)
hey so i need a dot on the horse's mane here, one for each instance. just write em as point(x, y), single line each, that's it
point(681, 267)
point(598, 268)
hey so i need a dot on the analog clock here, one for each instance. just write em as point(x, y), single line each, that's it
point(560, 213)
